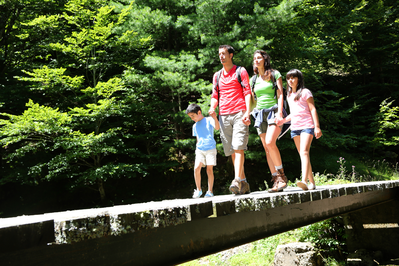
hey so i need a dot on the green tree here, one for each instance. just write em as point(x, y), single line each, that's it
point(21, 46)
point(79, 91)
point(388, 121)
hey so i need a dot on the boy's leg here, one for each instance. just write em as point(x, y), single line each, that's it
point(199, 159)
point(210, 162)
point(211, 178)
point(197, 175)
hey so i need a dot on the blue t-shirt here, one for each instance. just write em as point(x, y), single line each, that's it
point(203, 130)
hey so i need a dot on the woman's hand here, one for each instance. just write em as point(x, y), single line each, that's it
point(279, 120)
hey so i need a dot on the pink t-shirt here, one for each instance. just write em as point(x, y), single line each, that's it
point(232, 94)
point(301, 117)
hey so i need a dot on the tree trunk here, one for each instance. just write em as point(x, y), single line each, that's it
point(101, 189)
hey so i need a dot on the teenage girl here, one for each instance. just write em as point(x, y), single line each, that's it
point(304, 123)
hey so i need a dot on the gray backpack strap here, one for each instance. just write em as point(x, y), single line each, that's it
point(253, 81)
point(238, 74)
point(285, 104)
point(273, 77)
point(217, 83)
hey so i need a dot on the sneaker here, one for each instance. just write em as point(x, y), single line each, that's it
point(302, 185)
point(244, 189)
point(208, 194)
point(235, 186)
point(312, 186)
point(197, 193)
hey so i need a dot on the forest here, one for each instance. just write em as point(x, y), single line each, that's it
point(93, 93)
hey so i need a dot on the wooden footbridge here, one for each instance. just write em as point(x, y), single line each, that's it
point(174, 231)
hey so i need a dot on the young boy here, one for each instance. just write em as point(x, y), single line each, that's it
point(205, 153)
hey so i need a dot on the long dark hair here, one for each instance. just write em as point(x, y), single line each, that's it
point(267, 65)
point(301, 82)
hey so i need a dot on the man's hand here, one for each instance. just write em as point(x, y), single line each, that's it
point(211, 111)
point(245, 119)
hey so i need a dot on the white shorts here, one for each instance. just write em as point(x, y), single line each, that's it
point(205, 157)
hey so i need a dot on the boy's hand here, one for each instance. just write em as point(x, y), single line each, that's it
point(213, 114)
point(211, 111)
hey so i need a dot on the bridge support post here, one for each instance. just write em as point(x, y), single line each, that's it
point(375, 229)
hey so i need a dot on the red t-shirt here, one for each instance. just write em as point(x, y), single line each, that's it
point(232, 94)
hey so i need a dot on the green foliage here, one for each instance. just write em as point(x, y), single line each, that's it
point(388, 124)
point(121, 73)
point(328, 236)
point(81, 137)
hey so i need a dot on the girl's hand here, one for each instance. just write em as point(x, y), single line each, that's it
point(317, 132)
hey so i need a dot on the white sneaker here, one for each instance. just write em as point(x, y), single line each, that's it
point(208, 194)
point(302, 185)
point(197, 193)
point(311, 186)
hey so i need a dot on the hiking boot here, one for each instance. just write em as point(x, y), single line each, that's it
point(235, 186)
point(244, 187)
point(280, 172)
point(280, 182)
point(274, 181)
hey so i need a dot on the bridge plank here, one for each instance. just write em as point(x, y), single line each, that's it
point(266, 214)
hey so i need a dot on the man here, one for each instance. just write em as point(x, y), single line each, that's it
point(233, 99)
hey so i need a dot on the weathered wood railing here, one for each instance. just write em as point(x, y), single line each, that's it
point(173, 231)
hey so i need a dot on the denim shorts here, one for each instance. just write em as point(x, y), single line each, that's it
point(298, 132)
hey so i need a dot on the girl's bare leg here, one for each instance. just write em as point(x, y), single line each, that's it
point(302, 144)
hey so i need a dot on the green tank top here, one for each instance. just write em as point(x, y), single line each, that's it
point(264, 92)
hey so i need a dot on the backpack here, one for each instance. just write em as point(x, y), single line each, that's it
point(274, 81)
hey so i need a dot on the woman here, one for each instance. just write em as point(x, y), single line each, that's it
point(269, 107)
